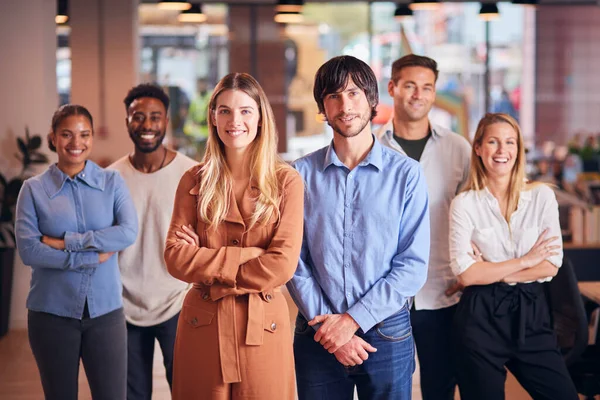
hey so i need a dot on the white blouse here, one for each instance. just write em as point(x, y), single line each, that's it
point(475, 216)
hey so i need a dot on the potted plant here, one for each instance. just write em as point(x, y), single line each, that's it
point(28, 156)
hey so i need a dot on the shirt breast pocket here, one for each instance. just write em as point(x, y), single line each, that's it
point(487, 241)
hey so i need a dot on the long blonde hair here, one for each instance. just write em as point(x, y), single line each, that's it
point(215, 179)
point(477, 174)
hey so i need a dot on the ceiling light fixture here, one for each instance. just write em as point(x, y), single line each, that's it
point(530, 3)
point(402, 12)
point(62, 12)
point(289, 11)
point(420, 5)
point(193, 15)
point(289, 17)
point(289, 5)
point(174, 5)
point(489, 12)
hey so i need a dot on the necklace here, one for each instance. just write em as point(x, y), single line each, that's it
point(159, 168)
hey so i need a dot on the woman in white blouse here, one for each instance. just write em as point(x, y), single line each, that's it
point(505, 240)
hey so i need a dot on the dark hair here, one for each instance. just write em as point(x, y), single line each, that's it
point(146, 90)
point(413, 60)
point(333, 76)
point(63, 113)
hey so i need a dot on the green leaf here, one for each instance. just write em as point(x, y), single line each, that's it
point(22, 146)
point(35, 143)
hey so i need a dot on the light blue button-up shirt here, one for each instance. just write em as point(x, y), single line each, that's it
point(366, 235)
point(94, 214)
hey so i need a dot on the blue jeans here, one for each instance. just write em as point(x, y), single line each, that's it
point(386, 375)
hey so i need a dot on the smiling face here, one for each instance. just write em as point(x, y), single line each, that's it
point(147, 123)
point(348, 112)
point(73, 139)
point(236, 119)
point(413, 93)
point(498, 149)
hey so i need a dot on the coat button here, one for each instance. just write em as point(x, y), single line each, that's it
point(273, 326)
point(235, 242)
point(194, 321)
point(205, 296)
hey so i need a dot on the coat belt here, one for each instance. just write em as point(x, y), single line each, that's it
point(229, 352)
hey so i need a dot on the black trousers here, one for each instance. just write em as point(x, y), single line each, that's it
point(498, 326)
point(435, 351)
point(140, 356)
point(58, 343)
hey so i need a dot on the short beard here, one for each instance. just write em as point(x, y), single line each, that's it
point(147, 150)
point(347, 134)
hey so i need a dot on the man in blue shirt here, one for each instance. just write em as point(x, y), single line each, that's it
point(365, 249)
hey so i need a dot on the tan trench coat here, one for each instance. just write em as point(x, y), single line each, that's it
point(234, 339)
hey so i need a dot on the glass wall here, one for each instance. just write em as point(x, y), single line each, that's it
point(453, 35)
point(188, 60)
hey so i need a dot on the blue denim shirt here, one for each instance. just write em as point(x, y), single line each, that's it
point(366, 235)
point(94, 214)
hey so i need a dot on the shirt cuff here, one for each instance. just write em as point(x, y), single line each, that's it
point(90, 259)
point(362, 316)
point(72, 241)
point(231, 265)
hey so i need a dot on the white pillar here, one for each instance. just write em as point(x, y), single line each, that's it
point(104, 45)
point(29, 97)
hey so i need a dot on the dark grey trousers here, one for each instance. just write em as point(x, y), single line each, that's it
point(58, 343)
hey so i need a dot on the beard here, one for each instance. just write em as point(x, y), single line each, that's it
point(147, 147)
point(349, 131)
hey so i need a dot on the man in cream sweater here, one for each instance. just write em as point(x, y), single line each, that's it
point(152, 298)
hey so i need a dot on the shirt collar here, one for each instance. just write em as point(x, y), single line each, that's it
point(91, 175)
point(524, 196)
point(374, 157)
point(388, 130)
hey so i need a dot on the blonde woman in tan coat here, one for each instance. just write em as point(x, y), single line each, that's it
point(236, 233)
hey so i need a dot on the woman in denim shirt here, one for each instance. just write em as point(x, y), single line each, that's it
point(71, 220)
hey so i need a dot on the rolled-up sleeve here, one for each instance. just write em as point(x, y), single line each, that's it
point(461, 231)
